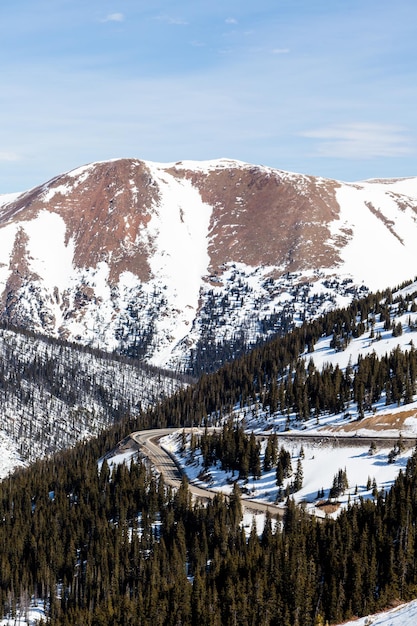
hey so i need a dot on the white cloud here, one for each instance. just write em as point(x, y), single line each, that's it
point(8, 156)
point(280, 51)
point(361, 141)
point(114, 17)
point(177, 21)
point(231, 20)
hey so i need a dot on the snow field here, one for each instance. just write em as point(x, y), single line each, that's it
point(179, 228)
point(320, 463)
point(363, 222)
point(403, 615)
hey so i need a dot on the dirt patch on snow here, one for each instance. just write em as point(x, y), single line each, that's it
point(328, 507)
point(386, 421)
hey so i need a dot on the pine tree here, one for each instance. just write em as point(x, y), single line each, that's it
point(298, 479)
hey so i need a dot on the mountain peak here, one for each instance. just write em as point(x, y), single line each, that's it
point(158, 259)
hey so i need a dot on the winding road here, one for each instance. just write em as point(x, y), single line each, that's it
point(164, 462)
point(148, 443)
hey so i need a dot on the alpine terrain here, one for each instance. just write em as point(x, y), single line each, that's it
point(186, 264)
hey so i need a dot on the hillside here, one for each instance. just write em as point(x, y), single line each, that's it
point(339, 395)
point(101, 544)
point(53, 394)
point(97, 544)
point(187, 264)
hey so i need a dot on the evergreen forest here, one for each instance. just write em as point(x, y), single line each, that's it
point(121, 548)
point(100, 546)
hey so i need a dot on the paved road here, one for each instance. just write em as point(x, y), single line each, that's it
point(346, 439)
point(165, 463)
point(148, 442)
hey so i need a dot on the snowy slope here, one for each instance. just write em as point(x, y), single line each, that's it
point(378, 215)
point(186, 264)
point(7, 198)
point(320, 451)
point(180, 259)
point(53, 395)
point(320, 461)
point(403, 615)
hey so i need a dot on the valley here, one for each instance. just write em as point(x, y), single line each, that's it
point(289, 390)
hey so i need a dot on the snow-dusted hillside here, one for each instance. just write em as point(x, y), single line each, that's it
point(186, 264)
point(53, 395)
point(367, 474)
point(332, 441)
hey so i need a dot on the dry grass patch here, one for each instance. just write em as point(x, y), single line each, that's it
point(386, 421)
point(328, 507)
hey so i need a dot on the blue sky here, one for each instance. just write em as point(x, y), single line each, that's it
point(322, 87)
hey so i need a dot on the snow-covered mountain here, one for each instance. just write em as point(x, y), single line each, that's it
point(184, 263)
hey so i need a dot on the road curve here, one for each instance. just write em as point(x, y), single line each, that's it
point(165, 463)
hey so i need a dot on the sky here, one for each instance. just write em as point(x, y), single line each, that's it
point(321, 87)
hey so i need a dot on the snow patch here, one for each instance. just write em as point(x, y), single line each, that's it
point(50, 257)
point(178, 229)
point(360, 222)
point(9, 456)
point(404, 615)
point(8, 198)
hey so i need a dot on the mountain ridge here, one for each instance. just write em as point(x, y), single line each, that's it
point(141, 257)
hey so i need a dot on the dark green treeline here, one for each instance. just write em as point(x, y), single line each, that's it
point(87, 542)
point(274, 377)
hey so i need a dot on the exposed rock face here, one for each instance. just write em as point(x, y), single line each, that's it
point(170, 261)
point(266, 217)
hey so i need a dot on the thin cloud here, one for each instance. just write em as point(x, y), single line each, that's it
point(114, 17)
point(280, 51)
point(8, 156)
point(231, 20)
point(176, 21)
point(361, 141)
